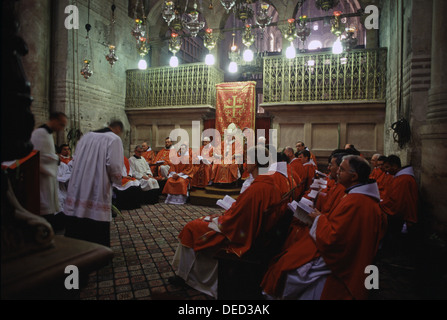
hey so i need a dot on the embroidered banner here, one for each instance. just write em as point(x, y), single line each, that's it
point(236, 103)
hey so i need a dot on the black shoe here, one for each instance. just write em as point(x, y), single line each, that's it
point(176, 281)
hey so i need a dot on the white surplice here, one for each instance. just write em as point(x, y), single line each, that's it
point(63, 177)
point(49, 186)
point(141, 168)
point(97, 164)
point(131, 183)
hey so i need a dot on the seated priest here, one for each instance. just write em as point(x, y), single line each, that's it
point(236, 229)
point(401, 200)
point(148, 154)
point(307, 171)
point(142, 171)
point(382, 176)
point(63, 178)
point(180, 174)
point(162, 160)
point(65, 153)
point(330, 254)
point(296, 168)
point(228, 158)
point(203, 165)
point(128, 194)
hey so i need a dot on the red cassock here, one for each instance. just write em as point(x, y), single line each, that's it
point(384, 181)
point(65, 160)
point(127, 178)
point(241, 224)
point(297, 179)
point(162, 155)
point(180, 185)
point(306, 171)
point(202, 171)
point(328, 201)
point(149, 156)
point(401, 199)
point(227, 171)
point(297, 170)
point(347, 238)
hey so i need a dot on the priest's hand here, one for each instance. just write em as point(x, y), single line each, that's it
point(314, 214)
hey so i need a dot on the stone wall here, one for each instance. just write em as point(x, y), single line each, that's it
point(406, 32)
point(56, 58)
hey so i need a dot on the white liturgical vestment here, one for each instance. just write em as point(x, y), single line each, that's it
point(141, 168)
point(49, 186)
point(97, 164)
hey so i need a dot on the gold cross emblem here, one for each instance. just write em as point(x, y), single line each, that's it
point(234, 106)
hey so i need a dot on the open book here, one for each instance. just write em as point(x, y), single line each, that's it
point(301, 210)
point(321, 174)
point(313, 194)
point(226, 202)
point(319, 184)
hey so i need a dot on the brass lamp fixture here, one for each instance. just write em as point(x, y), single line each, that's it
point(337, 27)
point(326, 5)
point(349, 42)
point(194, 25)
point(290, 34)
point(303, 30)
point(263, 19)
point(111, 57)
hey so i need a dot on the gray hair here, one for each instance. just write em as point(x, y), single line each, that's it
point(359, 166)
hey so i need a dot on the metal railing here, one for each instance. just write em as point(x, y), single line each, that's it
point(326, 77)
point(189, 84)
point(358, 75)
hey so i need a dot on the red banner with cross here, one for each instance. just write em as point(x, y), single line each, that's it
point(236, 103)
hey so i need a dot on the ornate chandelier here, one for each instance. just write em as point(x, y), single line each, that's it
point(326, 5)
point(85, 71)
point(174, 43)
point(228, 4)
point(194, 25)
point(111, 56)
point(138, 29)
point(290, 32)
point(337, 27)
point(168, 12)
point(263, 19)
point(243, 11)
point(349, 42)
point(209, 39)
point(248, 38)
point(303, 31)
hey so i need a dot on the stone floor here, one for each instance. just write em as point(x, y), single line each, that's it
point(144, 241)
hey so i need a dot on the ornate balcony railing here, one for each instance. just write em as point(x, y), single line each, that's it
point(187, 85)
point(325, 77)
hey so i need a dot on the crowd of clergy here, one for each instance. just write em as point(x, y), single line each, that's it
point(356, 208)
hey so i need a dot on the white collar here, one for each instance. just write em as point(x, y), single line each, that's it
point(369, 189)
point(294, 159)
point(280, 167)
point(405, 171)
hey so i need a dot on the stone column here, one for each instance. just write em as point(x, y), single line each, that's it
point(434, 133)
point(437, 102)
point(156, 52)
point(35, 21)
